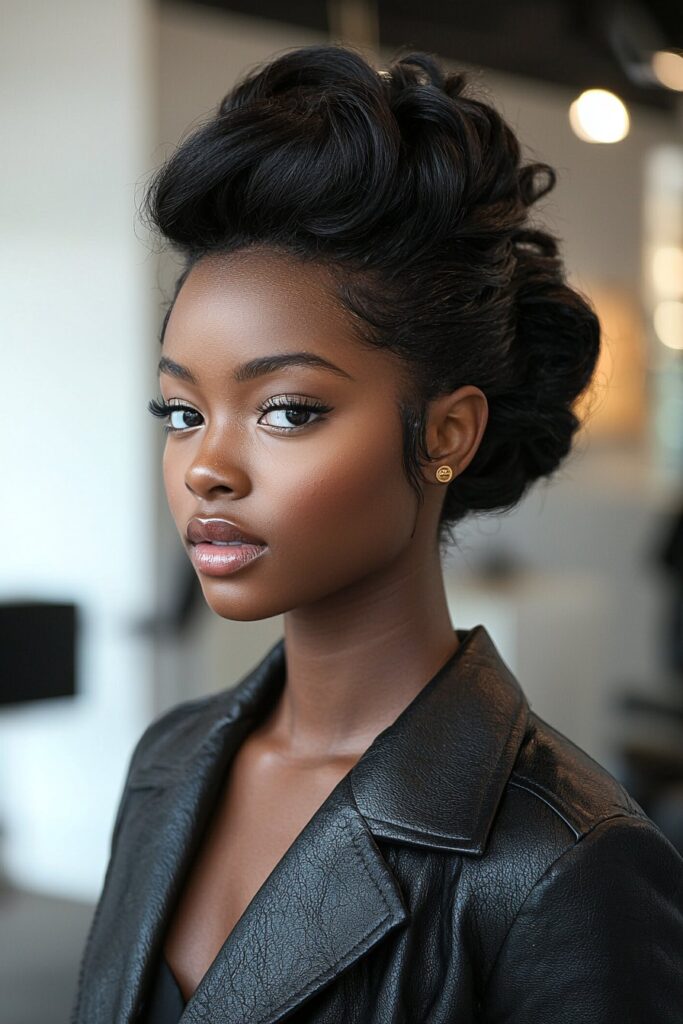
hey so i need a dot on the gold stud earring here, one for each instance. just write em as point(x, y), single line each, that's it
point(444, 474)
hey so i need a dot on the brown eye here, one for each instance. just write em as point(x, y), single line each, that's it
point(181, 414)
point(293, 414)
point(162, 409)
point(290, 417)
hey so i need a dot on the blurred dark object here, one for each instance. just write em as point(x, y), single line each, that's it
point(652, 756)
point(177, 619)
point(500, 564)
point(667, 812)
point(670, 556)
point(652, 763)
point(37, 651)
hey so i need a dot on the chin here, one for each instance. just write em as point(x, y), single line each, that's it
point(238, 608)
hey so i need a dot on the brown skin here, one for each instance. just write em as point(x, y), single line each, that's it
point(352, 562)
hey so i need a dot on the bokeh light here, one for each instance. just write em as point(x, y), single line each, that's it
point(597, 115)
point(668, 68)
point(668, 321)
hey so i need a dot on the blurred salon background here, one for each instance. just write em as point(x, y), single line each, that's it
point(102, 621)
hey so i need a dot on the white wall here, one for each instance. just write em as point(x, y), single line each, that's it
point(78, 322)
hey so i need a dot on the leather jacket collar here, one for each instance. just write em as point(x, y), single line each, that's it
point(433, 778)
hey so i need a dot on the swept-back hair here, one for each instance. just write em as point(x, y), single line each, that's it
point(412, 192)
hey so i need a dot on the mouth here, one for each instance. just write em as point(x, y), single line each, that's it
point(227, 544)
point(219, 547)
point(220, 533)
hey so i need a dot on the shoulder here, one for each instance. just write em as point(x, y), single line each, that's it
point(557, 799)
point(580, 876)
point(178, 733)
point(553, 770)
point(555, 796)
point(175, 732)
point(157, 756)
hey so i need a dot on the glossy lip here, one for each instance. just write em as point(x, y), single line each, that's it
point(212, 560)
point(216, 528)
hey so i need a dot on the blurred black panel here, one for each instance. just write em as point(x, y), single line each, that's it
point(578, 43)
point(304, 13)
point(565, 42)
point(37, 651)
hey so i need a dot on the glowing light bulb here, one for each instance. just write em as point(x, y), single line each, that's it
point(668, 320)
point(668, 68)
point(599, 116)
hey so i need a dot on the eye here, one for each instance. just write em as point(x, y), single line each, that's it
point(295, 412)
point(164, 410)
point(296, 408)
point(180, 411)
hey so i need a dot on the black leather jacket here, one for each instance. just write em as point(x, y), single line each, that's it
point(474, 865)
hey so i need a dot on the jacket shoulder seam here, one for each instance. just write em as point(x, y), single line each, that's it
point(612, 807)
point(550, 867)
point(530, 786)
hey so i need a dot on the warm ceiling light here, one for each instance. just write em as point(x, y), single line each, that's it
point(599, 116)
point(668, 68)
point(667, 270)
point(668, 319)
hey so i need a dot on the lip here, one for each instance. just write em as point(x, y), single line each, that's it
point(222, 561)
point(217, 529)
point(219, 547)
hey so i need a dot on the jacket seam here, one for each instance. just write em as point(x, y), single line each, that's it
point(541, 878)
point(359, 850)
point(412, 831)
point(521, 709)
point(328, 972)
point(310, 986)
point(530, 788)
point(625, 808)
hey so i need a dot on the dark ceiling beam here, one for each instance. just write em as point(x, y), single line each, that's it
point(575, 43)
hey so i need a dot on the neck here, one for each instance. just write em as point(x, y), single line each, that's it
point(355, 663)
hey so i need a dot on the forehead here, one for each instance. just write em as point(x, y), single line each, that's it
point(258, 295)
point(260, 302)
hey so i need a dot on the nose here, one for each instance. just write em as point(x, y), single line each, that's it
point(216, 469)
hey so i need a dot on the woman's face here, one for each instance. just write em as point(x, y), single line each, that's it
point(323, 488)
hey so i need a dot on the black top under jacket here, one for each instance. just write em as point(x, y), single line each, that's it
point(473, 866)
point(165, 1002)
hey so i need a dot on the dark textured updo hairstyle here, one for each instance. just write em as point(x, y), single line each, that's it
point(412, 193)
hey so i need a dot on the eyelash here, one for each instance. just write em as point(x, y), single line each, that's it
point(162, 409)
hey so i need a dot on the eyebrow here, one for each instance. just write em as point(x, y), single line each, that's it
point(256, 367)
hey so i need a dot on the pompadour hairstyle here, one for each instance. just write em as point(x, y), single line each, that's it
point(413, 193)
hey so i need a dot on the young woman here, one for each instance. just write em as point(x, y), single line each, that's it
point(368, 343)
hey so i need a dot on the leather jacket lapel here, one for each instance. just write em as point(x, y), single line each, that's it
point(435, 777)
point(162, 815)
point(326, 903)
point(174, 778)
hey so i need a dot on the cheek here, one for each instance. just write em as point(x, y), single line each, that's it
point(355, 502)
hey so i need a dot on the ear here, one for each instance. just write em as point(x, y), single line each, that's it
point(454, 428)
